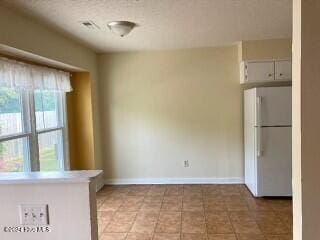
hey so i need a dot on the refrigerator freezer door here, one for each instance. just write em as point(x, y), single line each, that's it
point(275, 106)
point(275, 162)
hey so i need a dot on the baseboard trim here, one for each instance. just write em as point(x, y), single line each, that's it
point(99, 184)
point(128, 181)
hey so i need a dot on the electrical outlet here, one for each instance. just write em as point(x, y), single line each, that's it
point(34, 214)
point(186, 163)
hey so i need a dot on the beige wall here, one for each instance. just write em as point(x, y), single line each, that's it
point(161, 108)
point(23, 33)
point(307, 117)
point(265, 49)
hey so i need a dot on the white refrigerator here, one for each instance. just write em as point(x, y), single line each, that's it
point(267, 140)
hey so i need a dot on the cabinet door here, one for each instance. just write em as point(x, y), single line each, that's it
point(283, 70)
point(260, 71)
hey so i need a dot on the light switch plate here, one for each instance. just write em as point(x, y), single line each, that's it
point(34, 214)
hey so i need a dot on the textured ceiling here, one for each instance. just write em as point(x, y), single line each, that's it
point(164, 24)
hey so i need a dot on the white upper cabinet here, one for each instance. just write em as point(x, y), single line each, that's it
point(265, 71)
point(259, 71)
point(283, 70)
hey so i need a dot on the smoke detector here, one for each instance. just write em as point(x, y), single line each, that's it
point(121, 28)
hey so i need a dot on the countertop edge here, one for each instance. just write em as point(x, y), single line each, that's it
point(50, 177)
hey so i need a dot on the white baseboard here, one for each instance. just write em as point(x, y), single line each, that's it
point(99, 184)
point(128, 181)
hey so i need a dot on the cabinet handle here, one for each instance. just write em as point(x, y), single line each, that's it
point(280, 74)
point(270, 74)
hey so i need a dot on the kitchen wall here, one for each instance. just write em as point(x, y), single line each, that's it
point(162, 108)
point(265, 49)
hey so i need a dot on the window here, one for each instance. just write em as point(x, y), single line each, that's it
point(32, 117)
point(32, 130)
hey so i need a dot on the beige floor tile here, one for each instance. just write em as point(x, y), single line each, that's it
point(192, 198)
point(171, 206)
point(219, 227)
point(209, 198)
point(166, 236)
point(153, 199)
point(130, 207)
point(214, 216)
point(212, 196)
point(193, 216)
point(237, 207)
point(230, 192)
point(110, 206)
point(241, 216)
point(279, 237)
point(193, 227)
point(170, 216)
point(285, 217)
point(105, 216)
point(265, 216)
point(118, 227)
point(273, 227)
point(234, 200)
point(222, 237)
point(281, 205)
point(139, 236)
point(143, 227)
point(156, 192)
point(258, 204)
point(147, 216)
point(192, 189)
point(218, 206)
point(172, 199)
point(134, 199)
point(168, 227)
point(250, 237)
point(100, 199)
point(174, 192)
point(138, 192)
point(127, 217)
point(113, 236)
point(151, 206)
point(191, 212)
point(102, 225)
point(192, 206)
point(193, 236)
point(246, 228)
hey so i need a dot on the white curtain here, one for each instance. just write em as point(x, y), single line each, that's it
point(14, 74)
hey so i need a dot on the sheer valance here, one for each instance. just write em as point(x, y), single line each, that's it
point(14, 74)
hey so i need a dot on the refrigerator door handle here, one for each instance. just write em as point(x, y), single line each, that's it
point(259, 124)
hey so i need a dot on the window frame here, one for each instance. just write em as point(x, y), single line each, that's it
point(29, 126)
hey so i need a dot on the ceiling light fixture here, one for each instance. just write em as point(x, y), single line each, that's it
point(121, 28)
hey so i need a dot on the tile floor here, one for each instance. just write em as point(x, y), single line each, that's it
point(190, 212)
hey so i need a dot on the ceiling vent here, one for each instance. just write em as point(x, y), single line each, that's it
point(90, 25)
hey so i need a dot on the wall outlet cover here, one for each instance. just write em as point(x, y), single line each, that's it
point(186, 163)
point(34, 214)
